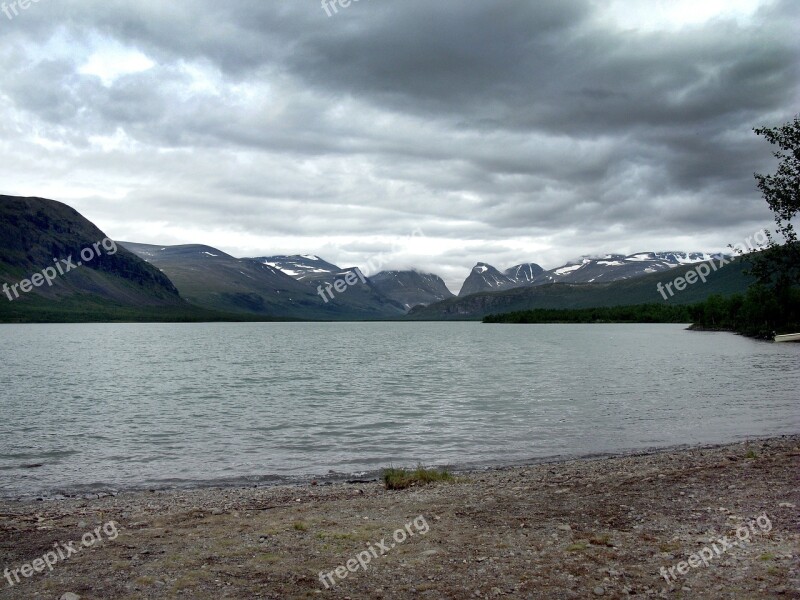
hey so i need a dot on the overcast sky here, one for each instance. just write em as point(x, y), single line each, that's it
point(506, 131)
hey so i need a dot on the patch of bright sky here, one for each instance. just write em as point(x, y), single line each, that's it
point(205, 79)
point(670, 15)
point(109, 143)
point(110, 60)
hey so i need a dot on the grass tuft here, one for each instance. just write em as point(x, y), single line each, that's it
point(601, 540)
point(767, 556)
point(400, 479)
point(577, 547)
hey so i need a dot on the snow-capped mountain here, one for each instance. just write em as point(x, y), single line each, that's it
point(320, 274)
point(524, 274)
point(210, 278)
point(411, 288)
point(311, 269)
point(304, 285)
point(614, 267)
point(301, 266)
point(485, 278)
point(610, 267)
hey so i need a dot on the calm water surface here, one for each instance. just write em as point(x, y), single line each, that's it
point(93, 407)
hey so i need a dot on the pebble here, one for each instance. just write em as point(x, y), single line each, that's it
point(70, 596)
point(599, 590)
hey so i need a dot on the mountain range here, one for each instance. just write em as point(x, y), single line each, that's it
point(604, 269)
point(198, 282)
point(285, 286)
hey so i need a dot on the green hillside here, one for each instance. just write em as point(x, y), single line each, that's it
point(43, 236)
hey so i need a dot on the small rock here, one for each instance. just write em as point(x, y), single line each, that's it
point(599, 590)
point(70, 596)
point(564, 527)
point(786, 505)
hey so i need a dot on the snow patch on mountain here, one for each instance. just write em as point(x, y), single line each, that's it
point(568, 269)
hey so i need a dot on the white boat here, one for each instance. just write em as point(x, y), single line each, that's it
point(789, 337)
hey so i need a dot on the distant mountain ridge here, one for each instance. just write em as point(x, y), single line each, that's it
point(215, 280)
point(606, 268)
point(526, 273)
point(404, 288)
point(411, 288)
point(486, 278)
point(301, 267)
point(731, 279)
point(194, 278)
point(614, 267)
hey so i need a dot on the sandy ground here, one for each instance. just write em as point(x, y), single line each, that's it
point(576, 529)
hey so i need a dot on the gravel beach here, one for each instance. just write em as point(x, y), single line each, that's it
point(725, 519)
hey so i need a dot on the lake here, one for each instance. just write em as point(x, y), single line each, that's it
point(96, 407)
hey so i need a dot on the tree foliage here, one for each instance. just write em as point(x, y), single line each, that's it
point(756, 313)
point(779, 265)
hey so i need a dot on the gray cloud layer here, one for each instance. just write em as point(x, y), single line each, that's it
point(507, 131)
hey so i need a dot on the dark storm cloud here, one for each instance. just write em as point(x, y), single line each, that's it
point(537, 125)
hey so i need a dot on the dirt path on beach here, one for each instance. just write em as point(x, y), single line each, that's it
point(577, 529)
